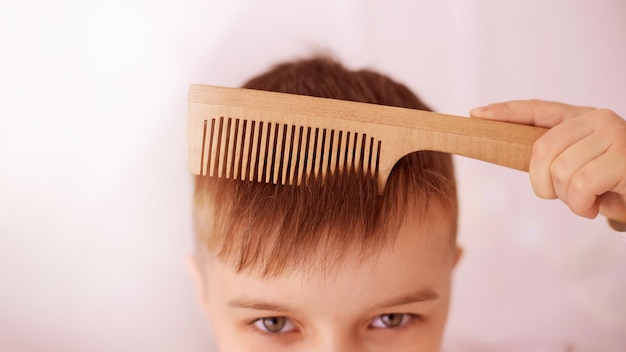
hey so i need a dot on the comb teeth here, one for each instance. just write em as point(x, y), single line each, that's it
point(285, 154)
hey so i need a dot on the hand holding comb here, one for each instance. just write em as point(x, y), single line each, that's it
point(283, 138)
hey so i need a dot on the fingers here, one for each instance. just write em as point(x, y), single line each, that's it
point(551, 166)
point(581, 159)
point(530, 112)
point(589, 183)
point(587, 168)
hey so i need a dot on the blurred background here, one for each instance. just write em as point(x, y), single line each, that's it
point(95, 195)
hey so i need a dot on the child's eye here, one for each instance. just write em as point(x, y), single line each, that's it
point(391, 320)
point(274, 325)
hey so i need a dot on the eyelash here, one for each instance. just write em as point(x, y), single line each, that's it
point(407, 318)
point(256, 324)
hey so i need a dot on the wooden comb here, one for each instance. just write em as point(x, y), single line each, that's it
point(280, 138)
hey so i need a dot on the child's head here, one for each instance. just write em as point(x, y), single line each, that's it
point(330, 265)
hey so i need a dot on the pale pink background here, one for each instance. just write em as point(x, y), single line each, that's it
point(95, 197)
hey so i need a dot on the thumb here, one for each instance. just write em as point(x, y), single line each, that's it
point(529, 112)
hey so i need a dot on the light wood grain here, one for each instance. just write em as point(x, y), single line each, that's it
point(262, 136)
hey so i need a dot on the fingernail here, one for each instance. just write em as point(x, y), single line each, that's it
point(479, 110)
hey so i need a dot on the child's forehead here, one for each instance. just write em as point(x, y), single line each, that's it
point(409, 268)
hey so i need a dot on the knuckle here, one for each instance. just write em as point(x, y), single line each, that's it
point(541, 148)
point(559, 171)
point(503, 110)
point(607, 118)
point(581, 202)
point(579, 183)
point(536, 104)
point(607, 113)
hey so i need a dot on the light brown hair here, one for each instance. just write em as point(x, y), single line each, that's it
point(268, 228)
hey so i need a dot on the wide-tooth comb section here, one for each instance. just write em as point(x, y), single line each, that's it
point(276, 153)
point(261, 136)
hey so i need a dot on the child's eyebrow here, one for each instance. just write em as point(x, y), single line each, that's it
point(258, 305)
point(420, 295)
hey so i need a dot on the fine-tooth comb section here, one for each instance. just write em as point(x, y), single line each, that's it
point(250, 150)
point(280, 138)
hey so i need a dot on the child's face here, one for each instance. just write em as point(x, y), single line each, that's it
point(397, 301)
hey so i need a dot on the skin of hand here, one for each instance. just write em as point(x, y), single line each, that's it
point(580, 160)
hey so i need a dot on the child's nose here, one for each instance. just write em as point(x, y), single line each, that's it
point(337, 340)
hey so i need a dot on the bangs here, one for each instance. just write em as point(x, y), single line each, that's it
point(266, 229)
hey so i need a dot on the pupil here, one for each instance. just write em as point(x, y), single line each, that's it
point(274, 324)
point(392, 320)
